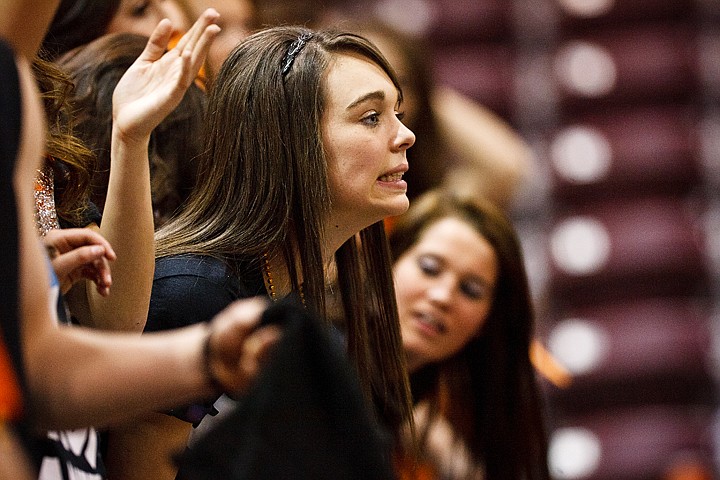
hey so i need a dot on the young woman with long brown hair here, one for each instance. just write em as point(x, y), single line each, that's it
point(305, 153)
point(467, 322)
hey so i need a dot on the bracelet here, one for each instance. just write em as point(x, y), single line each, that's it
point(212, 380)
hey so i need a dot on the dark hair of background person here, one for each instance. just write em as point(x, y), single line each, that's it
point(265, 189)
point(77, 22)
point(95, 69)
point(71, 161)
point(492, 399)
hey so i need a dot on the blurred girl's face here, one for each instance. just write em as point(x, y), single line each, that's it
point(237, 20)
point(445, 287)
point(142, 16)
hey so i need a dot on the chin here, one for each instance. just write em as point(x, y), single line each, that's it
point(397, 207)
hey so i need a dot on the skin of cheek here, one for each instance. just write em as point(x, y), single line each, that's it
point(416, 292)
point(125, 21)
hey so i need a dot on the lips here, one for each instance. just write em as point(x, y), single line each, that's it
point(394, 175)
point(430, 322)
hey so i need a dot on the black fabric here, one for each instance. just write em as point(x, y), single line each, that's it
point(304, 418)
point(10, 127)
point(189, 289)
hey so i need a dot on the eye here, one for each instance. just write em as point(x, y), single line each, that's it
point(429, 265)
point(371, 119)
point(139, 8)
point(473, 289)
point(400, 115)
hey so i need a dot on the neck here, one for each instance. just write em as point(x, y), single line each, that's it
point(413, 362)
point(277, 277)
point(336, 233)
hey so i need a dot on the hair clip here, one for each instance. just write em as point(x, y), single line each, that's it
point(293, 51)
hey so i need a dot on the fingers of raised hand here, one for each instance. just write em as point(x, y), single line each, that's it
point(158, 42)
point(200, 51)
point(189, 41)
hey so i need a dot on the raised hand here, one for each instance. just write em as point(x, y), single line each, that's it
point(80, 253)
point(155, 84)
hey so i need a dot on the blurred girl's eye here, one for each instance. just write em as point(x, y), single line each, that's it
point(139, 8)
point(473, 289)
point(429, 265)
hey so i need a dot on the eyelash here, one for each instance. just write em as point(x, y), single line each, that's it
point(372, 120)
point(140, 9)
point(473, 293)
point(432, 268)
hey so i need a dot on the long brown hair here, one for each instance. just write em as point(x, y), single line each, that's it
point(95, 69)
point(77, 22)
point(487, 391)
point(264, 188)
point(71, 161)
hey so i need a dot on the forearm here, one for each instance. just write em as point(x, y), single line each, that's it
point(102, 379)
point(128, 225)
point(25, 36)
point(79, 377)
point(492, 155)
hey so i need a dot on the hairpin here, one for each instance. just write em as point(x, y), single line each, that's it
point(293, 51)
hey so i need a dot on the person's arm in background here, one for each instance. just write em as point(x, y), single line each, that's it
point(151, 88)
point(26, 36)
point(494, 159)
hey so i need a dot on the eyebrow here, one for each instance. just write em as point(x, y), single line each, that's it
point(376, 95)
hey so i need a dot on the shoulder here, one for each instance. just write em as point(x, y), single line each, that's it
point(190, 289)
point(194, 266)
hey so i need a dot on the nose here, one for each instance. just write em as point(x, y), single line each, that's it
point(405, 138)
point(440, 292)
point(172, 10)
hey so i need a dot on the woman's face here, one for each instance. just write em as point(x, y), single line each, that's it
point(445, 287)
point(394, 54)
point(142, 16)
point(365, 142)
point(237, 20)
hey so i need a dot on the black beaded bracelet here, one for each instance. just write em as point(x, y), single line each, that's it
point(212, 380)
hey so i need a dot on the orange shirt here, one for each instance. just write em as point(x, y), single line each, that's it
point(10, 395)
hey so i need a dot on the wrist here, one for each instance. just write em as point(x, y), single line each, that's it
point(212, 381)
point(123, 138)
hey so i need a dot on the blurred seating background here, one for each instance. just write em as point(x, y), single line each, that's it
point(620, 102)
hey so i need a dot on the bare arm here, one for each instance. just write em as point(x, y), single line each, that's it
point(152, 87)
point(26, 36)
point(494, 158)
